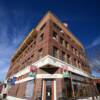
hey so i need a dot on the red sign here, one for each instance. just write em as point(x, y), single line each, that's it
point(64, 68)
point(33, 69)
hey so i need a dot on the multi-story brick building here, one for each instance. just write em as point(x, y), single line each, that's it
point(50, 64)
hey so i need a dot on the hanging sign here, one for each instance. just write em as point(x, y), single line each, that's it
point(66, 74)
point(33, 69)
point(65, 71)
point(32, 72)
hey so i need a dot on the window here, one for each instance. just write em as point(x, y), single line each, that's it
point(79, 64)
point(67, 91)
point(43, 26)
point(62, 41)
point(67, 45)
point(73, 49)
point(32, 55)
point(63, 56)
point(34, 42)
point(41, 37)
point(40, 52)
point(29, 89)
point(57, 27)
point(55, 35)
point(75, 62)
point(76, 52)
point(55, 52)
point(69, 37)
point(69, 60)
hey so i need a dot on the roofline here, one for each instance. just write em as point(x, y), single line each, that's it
point(48, 15)
point(23, 43)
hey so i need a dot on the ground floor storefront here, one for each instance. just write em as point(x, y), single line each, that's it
point(54, 84)
point(52, 79)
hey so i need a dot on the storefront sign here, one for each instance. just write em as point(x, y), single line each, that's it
point(49, 76)
point(66, 74)
point(31, 74)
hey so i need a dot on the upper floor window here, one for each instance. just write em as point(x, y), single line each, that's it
point(79, 64)
point(41, 37)
point(73, 49)
point(40, 52)
point(62, 41)
point(43, 26)
point(63, 56)
point(57, 27)
point(55, 35)
point(69, 59)
point(75, 62)
point(67, 45)
point(55, 52)
point(76, 52)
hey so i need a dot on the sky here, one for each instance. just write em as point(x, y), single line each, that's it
point(19, 17)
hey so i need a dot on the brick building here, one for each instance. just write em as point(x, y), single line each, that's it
point(50, 64)
point(97, 83)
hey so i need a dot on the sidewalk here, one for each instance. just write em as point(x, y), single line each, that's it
point(14, 98)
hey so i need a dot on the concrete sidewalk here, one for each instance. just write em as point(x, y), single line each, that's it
point(14, 98)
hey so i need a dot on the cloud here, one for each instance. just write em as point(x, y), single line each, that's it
point(93, 51)
point(12, 32)
point(96, 42)
point(95, 66)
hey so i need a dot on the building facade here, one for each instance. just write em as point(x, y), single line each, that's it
point(50, 64)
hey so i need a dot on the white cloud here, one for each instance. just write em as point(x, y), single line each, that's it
point(96, 42)
point(95, 62)
point(10, 37)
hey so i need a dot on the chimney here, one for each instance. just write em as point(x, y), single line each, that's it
point(65, 24)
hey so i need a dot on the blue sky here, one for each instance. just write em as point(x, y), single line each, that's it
point(18, 17)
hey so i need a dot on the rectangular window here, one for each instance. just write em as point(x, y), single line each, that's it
point(62, 41)
point(79, 64)
point(55, 35)
point(63, 56)
point(75, 63)
point(67, 45)
point(76, 52)
point(43, 26)
point(69, 59)
point(73, 49)
point(29, 89)
point(57, 27)
point(40, 52)
point(41, 37)
point(55, 52)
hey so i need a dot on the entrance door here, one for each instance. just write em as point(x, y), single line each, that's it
point(48, 89)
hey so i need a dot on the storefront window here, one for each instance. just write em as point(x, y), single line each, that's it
point(29, 89)
point(68, 87)
point(81, 89)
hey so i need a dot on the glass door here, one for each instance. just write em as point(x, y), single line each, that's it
point(48, 89)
